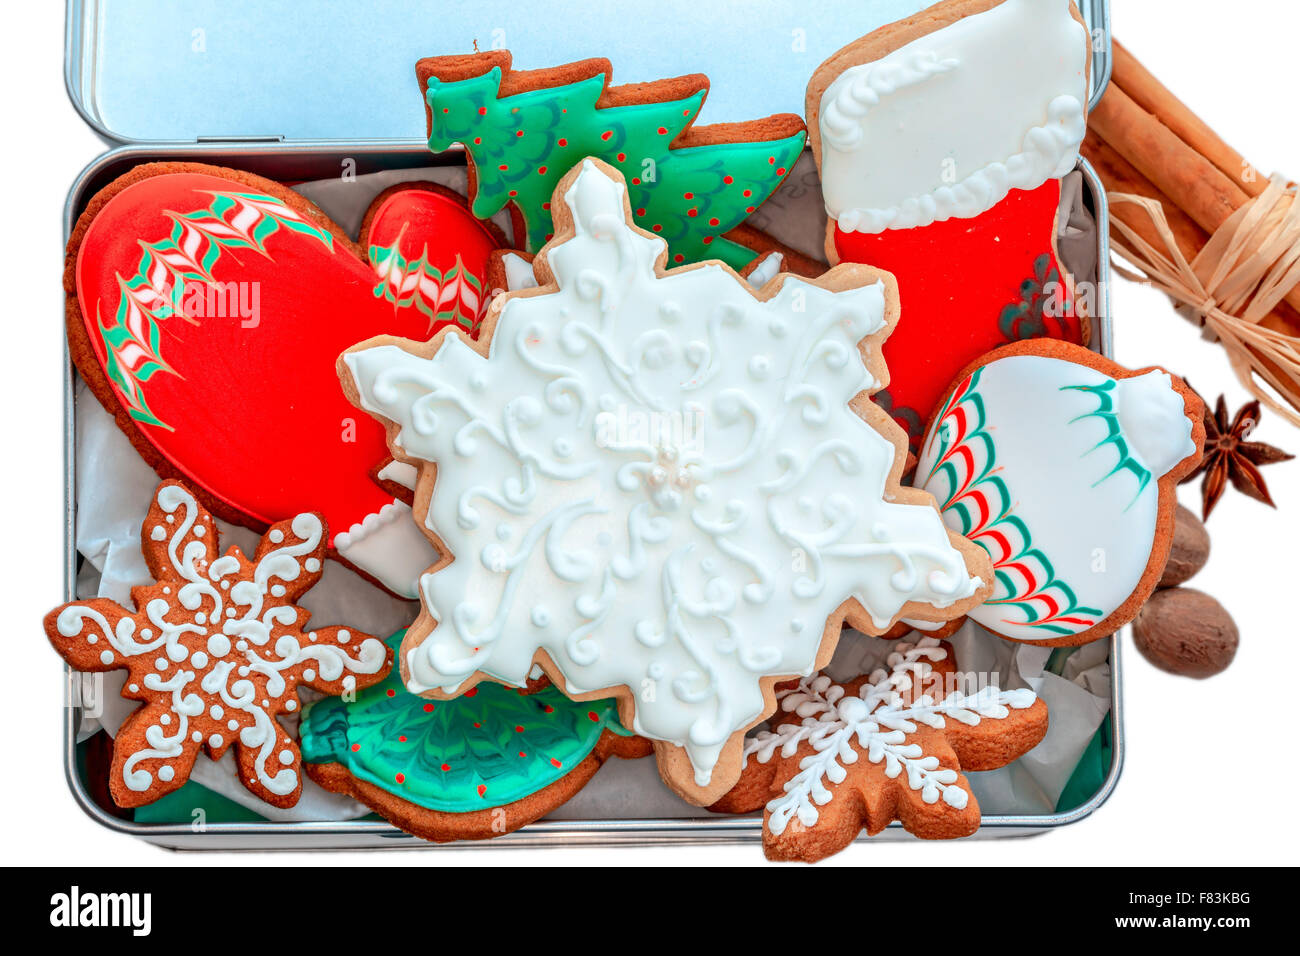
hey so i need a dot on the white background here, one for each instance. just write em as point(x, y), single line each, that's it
point(1211, 775)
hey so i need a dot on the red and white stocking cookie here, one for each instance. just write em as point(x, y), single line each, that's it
point(941, 141)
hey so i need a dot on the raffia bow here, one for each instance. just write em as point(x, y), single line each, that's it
point(1246, 269)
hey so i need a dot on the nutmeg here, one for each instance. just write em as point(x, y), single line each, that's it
point(1189, 551)
point(1186, 632)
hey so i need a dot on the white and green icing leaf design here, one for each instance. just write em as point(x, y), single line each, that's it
point(170, 267)
point(453, 295)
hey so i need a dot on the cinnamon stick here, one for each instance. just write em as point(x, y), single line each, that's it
point(1119, 176)
point(1189, 179)
point(1152, 95)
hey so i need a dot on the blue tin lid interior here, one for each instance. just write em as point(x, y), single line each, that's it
point(161, 71)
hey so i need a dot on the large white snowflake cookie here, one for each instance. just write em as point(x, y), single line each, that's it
point(890, 745)
point(658, 485)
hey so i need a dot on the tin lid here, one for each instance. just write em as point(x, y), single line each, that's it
point(228, 70)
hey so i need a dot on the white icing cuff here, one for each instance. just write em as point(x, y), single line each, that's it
point(519, 272)
point(1048, 152)
point(400, 473)
point(767, 269)
point(947, 125)
point(390, 547)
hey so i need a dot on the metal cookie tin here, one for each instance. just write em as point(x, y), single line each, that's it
point(295, 96)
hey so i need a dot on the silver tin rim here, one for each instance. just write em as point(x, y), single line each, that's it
point(366, 834)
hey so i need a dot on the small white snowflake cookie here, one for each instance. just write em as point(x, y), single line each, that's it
point(890, 745)
point(658, 484)
point(215, 651)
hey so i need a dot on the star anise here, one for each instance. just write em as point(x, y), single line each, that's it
point(1229, 457)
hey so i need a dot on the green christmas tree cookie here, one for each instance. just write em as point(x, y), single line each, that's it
point(525, 130)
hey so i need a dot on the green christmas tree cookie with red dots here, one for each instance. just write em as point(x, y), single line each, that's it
point(483, 764)
point(524, 130)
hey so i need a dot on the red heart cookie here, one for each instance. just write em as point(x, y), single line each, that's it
point(206, 308)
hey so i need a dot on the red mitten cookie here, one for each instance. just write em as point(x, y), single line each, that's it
point(205, 310)
point(215, 651)
point(941, 140)
point(886, 746)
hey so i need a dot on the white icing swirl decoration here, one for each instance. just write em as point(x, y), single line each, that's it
point(216, 649)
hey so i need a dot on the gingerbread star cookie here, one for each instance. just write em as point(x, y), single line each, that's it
point(214, 650)
point(890, 745)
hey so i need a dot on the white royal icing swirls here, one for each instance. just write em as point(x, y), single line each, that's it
point(209, 619)
point(876, 724)
point(657, 480)
point(947, 125)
